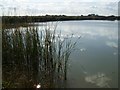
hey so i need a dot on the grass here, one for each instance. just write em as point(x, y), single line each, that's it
point(32, 55)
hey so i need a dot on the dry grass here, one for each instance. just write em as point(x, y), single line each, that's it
point(32, 56)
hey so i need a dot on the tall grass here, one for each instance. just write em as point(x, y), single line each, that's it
point(31, 56)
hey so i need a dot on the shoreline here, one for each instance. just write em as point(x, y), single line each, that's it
point(48, 18)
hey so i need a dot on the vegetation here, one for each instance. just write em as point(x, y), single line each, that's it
point(28, 19)
point(31, 56)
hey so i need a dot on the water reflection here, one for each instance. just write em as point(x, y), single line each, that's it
point(82, 49)
point(99, 42)
point(99, 79)
point(112, 44)
point(96, 49)
point(85, 28)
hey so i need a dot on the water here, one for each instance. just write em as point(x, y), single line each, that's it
point(94, 63)
point(96, 54)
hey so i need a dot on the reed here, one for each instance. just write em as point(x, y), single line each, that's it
point(32, 55)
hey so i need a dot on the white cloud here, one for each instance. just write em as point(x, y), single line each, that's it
point(62, 6)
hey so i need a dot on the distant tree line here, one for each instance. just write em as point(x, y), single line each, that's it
point(28, 19)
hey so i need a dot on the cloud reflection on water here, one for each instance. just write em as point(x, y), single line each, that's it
point(112, 44)
point(104, 29)
point(99, 79)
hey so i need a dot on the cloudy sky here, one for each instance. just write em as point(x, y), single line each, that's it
point(52, 7)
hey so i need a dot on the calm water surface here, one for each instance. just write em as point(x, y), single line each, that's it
point(94, 63)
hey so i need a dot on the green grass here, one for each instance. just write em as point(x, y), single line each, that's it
point(31, 56)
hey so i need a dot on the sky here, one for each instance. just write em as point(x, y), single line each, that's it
point(58, 7)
